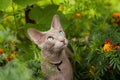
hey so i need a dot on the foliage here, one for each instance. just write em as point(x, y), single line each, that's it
point(88, 25)
point(15, 70)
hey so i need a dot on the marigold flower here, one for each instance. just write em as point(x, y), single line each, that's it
point(2, 51)
point(78, 15)
point(107, 46)
point(12, 56)
point(114, 46)
point(116, 14)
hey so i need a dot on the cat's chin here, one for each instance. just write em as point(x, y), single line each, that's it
point(62, 47)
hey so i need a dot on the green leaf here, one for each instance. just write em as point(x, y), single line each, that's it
point(43, 16)
point(48, 2)
point(44, 2)
point(15, 70)
point(4, 4)
point(58, 1)
point(25, 3)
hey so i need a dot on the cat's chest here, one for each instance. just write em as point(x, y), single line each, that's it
point(63, 73)
point(59, 71)
point(61, 67)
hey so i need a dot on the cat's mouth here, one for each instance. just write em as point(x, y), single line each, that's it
point(60, 47)
point(64, 44)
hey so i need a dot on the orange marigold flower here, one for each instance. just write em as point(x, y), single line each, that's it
point(12, 56)
point(78, 15)
point(2, 51)
point(116, 14)
point(115, 46)
point(107, 41)
point(107, 46)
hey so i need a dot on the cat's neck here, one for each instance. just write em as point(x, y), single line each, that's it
point(52, 57)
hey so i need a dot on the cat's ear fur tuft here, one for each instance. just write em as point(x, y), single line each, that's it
point(35, 35)
point(56, 22)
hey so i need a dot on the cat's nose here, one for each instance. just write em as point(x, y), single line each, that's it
point(63, 41)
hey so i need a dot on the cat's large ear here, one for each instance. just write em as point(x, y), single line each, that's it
point(35, 35)
point(56, 22)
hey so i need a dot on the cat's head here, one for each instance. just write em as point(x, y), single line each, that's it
point(54, 39)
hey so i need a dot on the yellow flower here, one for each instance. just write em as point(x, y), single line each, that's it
point(107, 46)
point(61, 8)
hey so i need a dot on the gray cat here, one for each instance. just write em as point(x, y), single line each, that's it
point(53, 45)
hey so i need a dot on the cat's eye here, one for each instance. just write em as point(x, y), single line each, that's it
point(50, 38)
point(60, 32)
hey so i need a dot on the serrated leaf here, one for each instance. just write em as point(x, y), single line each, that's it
point(25, 3)
point(4, 4)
